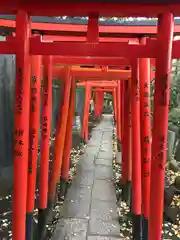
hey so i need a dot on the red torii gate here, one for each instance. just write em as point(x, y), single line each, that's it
point(98, 103)
point(159, 49)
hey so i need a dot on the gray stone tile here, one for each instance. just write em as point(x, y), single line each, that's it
point(86, 178)
point(103, 149)
point(84, 166)
point(102, 238)
point(94, 142)
point(77, 193)
point(103, 172)
point(76, 209)
point(107, 138)
point(89, 157)
point(71, 229)
point(103, 142)
point(90, 204)
point(106, 228)
point(105, 155)
point(92, 150)
point(107, 144)
point(105, 162)
point(104, 210)
point(104, 190)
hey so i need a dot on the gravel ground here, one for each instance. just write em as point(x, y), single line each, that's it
point(170, 231)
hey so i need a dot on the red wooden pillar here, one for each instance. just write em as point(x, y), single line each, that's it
point(102, 103)
point(99, 104)
point(45, 138)
point(118, 125)
point(122, 106)
point(160, 123)
point(124, 166)
point(125, 147)
point(21, 124)
point(97, 100)
point(129, 165)
point(68, 143)
point(96, 105)
point(33, 141)
point(136, 151)
point(115, 104)
point(59, 139)
point(84, 132)
point(145, 114)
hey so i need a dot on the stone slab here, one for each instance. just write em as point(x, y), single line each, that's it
point(79, 193)
point(104, 162)
point(85, 166)
point(71, 229)
point(89, 211)
point(95, 141)
point(103, 172)
point(105, 155)
point(86, 178)
point(76, 209)
point(103, 190)
point(104, 210)
point(106, 228)
point(102, 238)
point(92, 150)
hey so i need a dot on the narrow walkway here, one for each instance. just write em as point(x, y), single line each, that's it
point(89, 211)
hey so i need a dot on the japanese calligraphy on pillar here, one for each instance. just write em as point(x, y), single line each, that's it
point(137, 91)
point(162, 147)
point(146, 98)
point(45, 91)
point(19, 93)
point(32, 135)
point(18, 142)
point(33, 94)
point(33, 132)
point(146, 158)
point(147, 141)
point(18, 132)
point(45, 105)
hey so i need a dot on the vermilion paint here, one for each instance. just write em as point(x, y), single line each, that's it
point(60, 136)
point(125, 131)
point(136, 154)
point(136, 144)
point(45, 132)
point(88, 88)
point(33, 140)
point(118, 124)
point(68, 139)
point(84, 132)
point(150, 9)
point(21, 125)
point(115, 104)
point(130, 155)
point(95, 104)
point(160, 123)
point(145, 114)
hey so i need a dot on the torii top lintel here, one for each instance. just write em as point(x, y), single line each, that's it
point(103, 8)
point(77, 30)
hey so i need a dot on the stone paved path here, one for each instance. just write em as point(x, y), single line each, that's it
point(89, 211)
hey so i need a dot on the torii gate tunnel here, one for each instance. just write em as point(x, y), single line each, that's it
point(61, 48)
